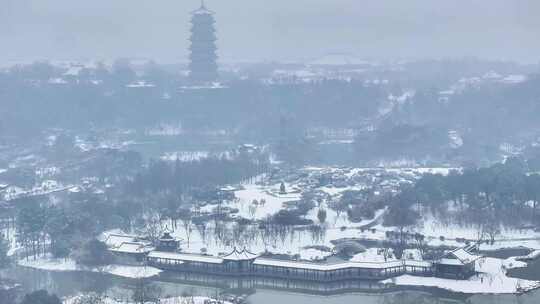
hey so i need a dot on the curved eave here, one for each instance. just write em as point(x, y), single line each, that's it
point(202, 11)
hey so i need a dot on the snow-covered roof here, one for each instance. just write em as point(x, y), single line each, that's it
point(465, 256)
point(227, 188)
point(213, 85)
point(513, 79)
point(202, 10)
point(74, 70)
point(417, 263)
point(326, 267)
point(140, 84)
point(454, 262)
point(132, 247)
point(457, 257)
point(239, 255)
point(116, 240)
point(57, 81)
point(185, 257)
point(167, 237)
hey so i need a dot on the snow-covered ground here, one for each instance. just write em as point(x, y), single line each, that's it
point(296, 241)
point(258, 201)
point(185, 156)
point(46, 187)
point(305, 243)
point(217, 238)
point(52, 264)
point(375, 255)
point(434, 228)
point(313, 254)
point(261, 200)
point(86, 145)
point(47, 172)
point(491, 279)
point(269, 200)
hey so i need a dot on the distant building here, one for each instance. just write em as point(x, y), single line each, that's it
point(128, 249)
point(131, 253)
point(237, 262)
point(203, 58)
point(245, 263)
point(167, 243)
point(457, 264)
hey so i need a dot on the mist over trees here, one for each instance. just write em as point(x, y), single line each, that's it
point(285, 115)
point(502, 195)
point(313, 146)
point(291, 120)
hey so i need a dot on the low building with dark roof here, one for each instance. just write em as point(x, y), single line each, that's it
point(456, 264)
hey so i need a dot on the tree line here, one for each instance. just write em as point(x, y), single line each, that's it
point(503, 195)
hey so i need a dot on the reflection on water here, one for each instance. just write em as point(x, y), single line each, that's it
point(62, 283)
point(262, 292)
point(403, 297)
point(268, 297)
point(66, 284)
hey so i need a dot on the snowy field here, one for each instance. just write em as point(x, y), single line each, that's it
point(269, 201)
point(258, 201)
point(296, 242)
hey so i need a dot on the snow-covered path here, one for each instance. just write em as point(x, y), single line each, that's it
point(491, 279)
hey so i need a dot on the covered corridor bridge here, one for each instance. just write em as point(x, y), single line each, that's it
point(245, 263)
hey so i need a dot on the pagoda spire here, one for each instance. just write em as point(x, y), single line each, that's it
point(203, 50)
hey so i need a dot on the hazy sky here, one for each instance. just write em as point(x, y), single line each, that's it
point(271, 29)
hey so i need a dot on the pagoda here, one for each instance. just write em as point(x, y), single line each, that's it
point(203, 58)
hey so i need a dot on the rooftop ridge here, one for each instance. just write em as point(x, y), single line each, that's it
point(202, 9)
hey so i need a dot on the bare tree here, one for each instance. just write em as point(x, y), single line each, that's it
point(154, 228)
point(90, 298)
point(145, 292)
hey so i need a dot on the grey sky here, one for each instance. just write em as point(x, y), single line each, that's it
point(272, 29)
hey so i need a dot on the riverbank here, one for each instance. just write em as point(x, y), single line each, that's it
point(492, 278)
point(51, 264)
point(90, 298)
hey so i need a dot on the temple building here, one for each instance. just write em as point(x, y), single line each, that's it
point(203, 58)
point(168, 243)
point(457, 264)
point(128, 249)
